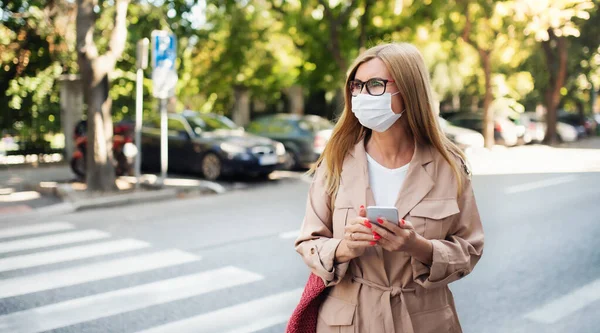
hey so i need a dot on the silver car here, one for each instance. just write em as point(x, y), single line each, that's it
point(464, 138)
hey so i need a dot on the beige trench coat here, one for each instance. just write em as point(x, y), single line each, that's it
point(385, 291)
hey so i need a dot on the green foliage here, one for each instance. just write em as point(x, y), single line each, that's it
point(266, 46)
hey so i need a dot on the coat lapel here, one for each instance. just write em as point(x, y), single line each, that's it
point(418, 181)
point(355, 177)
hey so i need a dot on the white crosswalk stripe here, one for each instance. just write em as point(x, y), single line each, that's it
point(69, 254)
point(242, 318)
point(247, 317)
point(35, 229)
point(93, 272)
point(97, 306)
point(52, 240)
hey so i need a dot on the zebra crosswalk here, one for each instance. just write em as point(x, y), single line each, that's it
point(62, 244)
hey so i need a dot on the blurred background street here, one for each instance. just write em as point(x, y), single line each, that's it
point(153, 155)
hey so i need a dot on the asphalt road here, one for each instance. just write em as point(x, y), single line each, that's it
point(226, 263)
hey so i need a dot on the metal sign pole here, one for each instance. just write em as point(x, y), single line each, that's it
point(142, 63)
point(164, 143)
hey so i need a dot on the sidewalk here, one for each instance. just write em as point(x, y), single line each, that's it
point(575, 157)
point(51, 190)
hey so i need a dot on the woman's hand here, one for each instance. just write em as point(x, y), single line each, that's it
point(358, 236)
point(403, 237)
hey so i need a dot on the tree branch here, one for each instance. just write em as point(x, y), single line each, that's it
point(345, 15)
point(118, 38)
point(85, 21)
point(466, 33)
point(278, 9)
point(363, 25)
point(334, 46)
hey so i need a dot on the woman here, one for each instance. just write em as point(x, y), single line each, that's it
point(388, 150)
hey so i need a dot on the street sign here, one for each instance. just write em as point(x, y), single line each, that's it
point(164, 54)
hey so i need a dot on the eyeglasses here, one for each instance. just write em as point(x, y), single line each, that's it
point(375, 86)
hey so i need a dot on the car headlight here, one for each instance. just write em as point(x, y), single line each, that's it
point(232, 149)
point(279, 148)
point(129, 150)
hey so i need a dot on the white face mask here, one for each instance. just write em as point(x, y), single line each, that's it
point(375, 112)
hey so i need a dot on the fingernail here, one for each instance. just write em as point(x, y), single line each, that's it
point(402, 221)
point(380, 220)
point(377, 237)
point(362, 207)
point(372, 243)
point(368, 224)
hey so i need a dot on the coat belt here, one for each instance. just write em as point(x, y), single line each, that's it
point(386, 300)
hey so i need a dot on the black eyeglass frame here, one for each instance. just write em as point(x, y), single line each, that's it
point(365, 84)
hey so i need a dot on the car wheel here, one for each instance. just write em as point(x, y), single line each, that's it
point(211, 166)
point(78, 167)
point(291, 161)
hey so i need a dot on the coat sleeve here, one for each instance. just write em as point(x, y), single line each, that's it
point(316, 244)
point(455, 256)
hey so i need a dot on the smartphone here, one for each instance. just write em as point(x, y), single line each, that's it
point(388, 213)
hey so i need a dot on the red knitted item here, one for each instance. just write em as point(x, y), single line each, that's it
point(304, 318)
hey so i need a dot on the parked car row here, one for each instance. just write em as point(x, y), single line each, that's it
point(526, 128)
point(214, 146)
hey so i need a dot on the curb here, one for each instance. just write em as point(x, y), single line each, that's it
point(124, 199)
point(52, 210)
point(71, 205)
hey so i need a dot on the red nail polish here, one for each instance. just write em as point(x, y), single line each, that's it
point(377, 237)
point(380, 220)
point(362, 207)
point(368, 224)
point(402, 222)
point(372, 243)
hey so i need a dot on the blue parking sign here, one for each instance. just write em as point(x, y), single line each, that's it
point(164, 55)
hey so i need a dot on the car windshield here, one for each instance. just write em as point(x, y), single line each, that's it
point(315, 124)
point(211, 123)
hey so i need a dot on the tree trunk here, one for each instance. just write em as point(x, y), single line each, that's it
point(241, 108)
point(558, 73)
point(100, 173)
point(296, 96)
point(334, 33)
point(338, 104)
point(364, 22)
point(488, 116)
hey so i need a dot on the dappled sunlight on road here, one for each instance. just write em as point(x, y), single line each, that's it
point(534, 159)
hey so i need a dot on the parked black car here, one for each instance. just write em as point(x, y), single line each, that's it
point(304, 136)
point(210, 144)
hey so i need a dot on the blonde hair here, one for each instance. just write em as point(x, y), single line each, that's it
point(407, 67)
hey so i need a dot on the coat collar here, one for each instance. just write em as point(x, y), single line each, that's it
point(416, 186)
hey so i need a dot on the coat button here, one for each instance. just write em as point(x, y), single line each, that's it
point(312, 250)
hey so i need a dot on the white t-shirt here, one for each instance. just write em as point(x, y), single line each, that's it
point(385, 183)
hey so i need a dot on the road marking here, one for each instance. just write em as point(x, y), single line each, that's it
point(242, 318)
point(35, 229)
point(290, 234)
point(539, 184)
point(51, 240)
point(69, 254)
point(566, 305)
point(93, 307)
point(93, 272)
